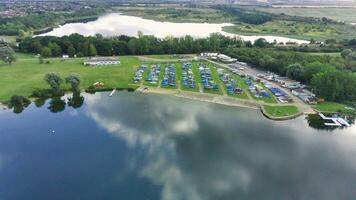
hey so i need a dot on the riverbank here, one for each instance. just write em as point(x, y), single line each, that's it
point(284, 114)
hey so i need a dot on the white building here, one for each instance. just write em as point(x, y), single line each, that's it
point(98, 61)
point(218, 56)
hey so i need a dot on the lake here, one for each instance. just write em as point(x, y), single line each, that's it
point(145, 146)
point(114, 24)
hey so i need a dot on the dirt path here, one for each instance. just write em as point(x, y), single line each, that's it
point(178, 85)
point(223, 89)
point(200, 88)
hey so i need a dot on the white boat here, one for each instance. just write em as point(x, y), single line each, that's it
point(112, 92)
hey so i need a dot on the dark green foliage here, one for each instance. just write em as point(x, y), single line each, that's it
point(124, 45)
point(18, 103)
point(40, 102)
point(56, 105)
point(91, 89)
point(76, 101)
point(54, 81)
point(7, 54)
point(46, 52)
point(41, 21)
point(74, 81)
point(43, 94)
point(296, 71)
point(246, 16)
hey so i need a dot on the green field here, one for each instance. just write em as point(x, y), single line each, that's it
point(8, 38)
point(293, 29)
point(26, 74)
point(176, 14)
point(281, 111)
point(333, 107)
point(337, 54)
point(339, 14)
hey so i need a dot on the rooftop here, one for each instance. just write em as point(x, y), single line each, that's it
point(101, 59)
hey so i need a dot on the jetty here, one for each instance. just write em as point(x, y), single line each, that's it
point(336, 121)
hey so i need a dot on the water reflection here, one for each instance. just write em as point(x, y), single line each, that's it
point(114, 24)
point(76, 101)
point(56, 104)
point(196, 150)
point(316, 122)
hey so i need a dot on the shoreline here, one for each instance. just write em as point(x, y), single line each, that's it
point(203, 97)
point(216, 99)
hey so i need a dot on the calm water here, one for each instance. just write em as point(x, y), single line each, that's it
point(116, 24)
point(135, 146)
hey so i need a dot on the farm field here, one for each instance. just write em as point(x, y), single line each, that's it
point(340, 14)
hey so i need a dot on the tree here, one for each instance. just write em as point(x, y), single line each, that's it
point(296, 71)
point(55, 49)
point(261, 43)
point(351, 56)
point(92, 50)
point(346, 52)
point(74, 81)
point(71, 51)
point(46, 52)
point(7, 54)
point(54, 81)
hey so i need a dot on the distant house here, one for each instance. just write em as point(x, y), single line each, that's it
point(65, 56)
point(98, 61)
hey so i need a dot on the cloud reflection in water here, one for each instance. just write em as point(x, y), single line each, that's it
point(198, 150)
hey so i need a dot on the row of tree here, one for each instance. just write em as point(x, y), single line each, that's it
point(79, 45)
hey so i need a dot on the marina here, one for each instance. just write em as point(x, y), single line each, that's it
point(188, 76)
point(169, 79)
point(207, 79)
point(334, 120)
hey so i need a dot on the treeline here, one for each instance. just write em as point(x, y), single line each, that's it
point(329, 77)
point(246, 16)
point(18, 25)
point(252, 16)
point(79, 45)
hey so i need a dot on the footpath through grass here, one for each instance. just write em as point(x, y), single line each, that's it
point(281, 111)
point(26, 74)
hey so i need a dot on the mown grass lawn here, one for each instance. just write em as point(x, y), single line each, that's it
point(281, 111)
point(26, 74)
point(334, 107)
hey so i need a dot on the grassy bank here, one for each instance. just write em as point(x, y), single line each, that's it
point(332, 107)
point(280, 111)
point(26, 75)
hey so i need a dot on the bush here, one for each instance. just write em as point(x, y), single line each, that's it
point(91, 89)
point(19, 101)
point(44, 94)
